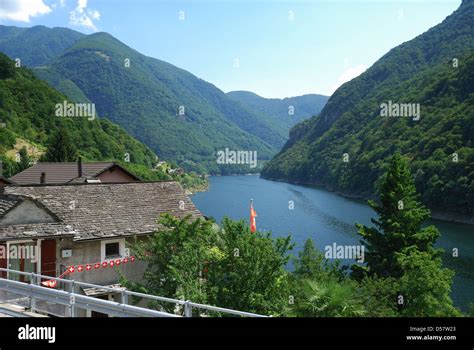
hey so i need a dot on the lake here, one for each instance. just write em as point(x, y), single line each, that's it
point(326, 218)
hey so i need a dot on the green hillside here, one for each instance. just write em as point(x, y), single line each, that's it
point(286, 111)
point(439, 145)
point(37, 45)
point(27, 112)
point(146, 99)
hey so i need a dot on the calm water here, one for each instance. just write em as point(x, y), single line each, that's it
point(326, 218)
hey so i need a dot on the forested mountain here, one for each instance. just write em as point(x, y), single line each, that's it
point(27, 115)
point(179, 116)
point(286, 111)
point(37, 45)
point(346, 147)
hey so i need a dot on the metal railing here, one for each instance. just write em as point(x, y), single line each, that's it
point(67, 302)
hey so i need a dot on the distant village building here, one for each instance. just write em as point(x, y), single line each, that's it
point(177, 171)
point(69, 172)
point(160, 164)
point(80, 224)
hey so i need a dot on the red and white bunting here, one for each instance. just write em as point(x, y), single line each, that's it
point(88, 267)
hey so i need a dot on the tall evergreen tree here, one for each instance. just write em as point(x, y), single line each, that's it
point(400, 216)
point(25, 160)
point(60, 148)
point(401, 252)
point(309, 261)
point(311, 264)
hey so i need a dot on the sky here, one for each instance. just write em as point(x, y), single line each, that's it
point(270, 47)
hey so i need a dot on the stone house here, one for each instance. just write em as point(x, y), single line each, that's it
point(86, 227)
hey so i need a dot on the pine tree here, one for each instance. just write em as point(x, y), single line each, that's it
point(309, 261)
point(398, 227)
point(60, 148)
point(311, 264)
point(25, 160)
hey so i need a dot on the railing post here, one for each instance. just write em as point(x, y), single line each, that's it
point(124, 297)
point(188, 309)
point(32, 298)
point(72, 299)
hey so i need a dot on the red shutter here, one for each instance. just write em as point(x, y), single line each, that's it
point(48, 257)
point(3, 259)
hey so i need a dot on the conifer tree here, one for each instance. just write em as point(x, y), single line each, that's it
point(25, 160)
point(399, 223)
point(60, 148)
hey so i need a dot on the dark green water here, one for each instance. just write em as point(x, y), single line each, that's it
point(326, 218)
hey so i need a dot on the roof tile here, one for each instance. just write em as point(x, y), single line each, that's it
point(104, 210)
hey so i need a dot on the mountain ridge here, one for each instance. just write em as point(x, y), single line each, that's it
point(286, 111)
point(146, 99)
point(36, 45)
point(419, 71)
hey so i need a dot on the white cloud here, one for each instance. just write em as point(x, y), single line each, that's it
point(22, 10)
point(349, 74)
point(82, 16)
point(94, 14)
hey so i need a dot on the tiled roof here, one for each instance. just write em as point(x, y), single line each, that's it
point(106, 210)
point(60, 173)
point(35, 231)
point(6, 203)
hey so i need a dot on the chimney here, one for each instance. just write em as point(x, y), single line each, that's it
point(79, 167)
point(43, 178)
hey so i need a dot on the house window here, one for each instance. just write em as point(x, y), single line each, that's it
point(112, 250)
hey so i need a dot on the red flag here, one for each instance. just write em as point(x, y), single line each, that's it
point(253, 215)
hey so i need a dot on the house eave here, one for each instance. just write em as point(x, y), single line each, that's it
point(117, 236)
